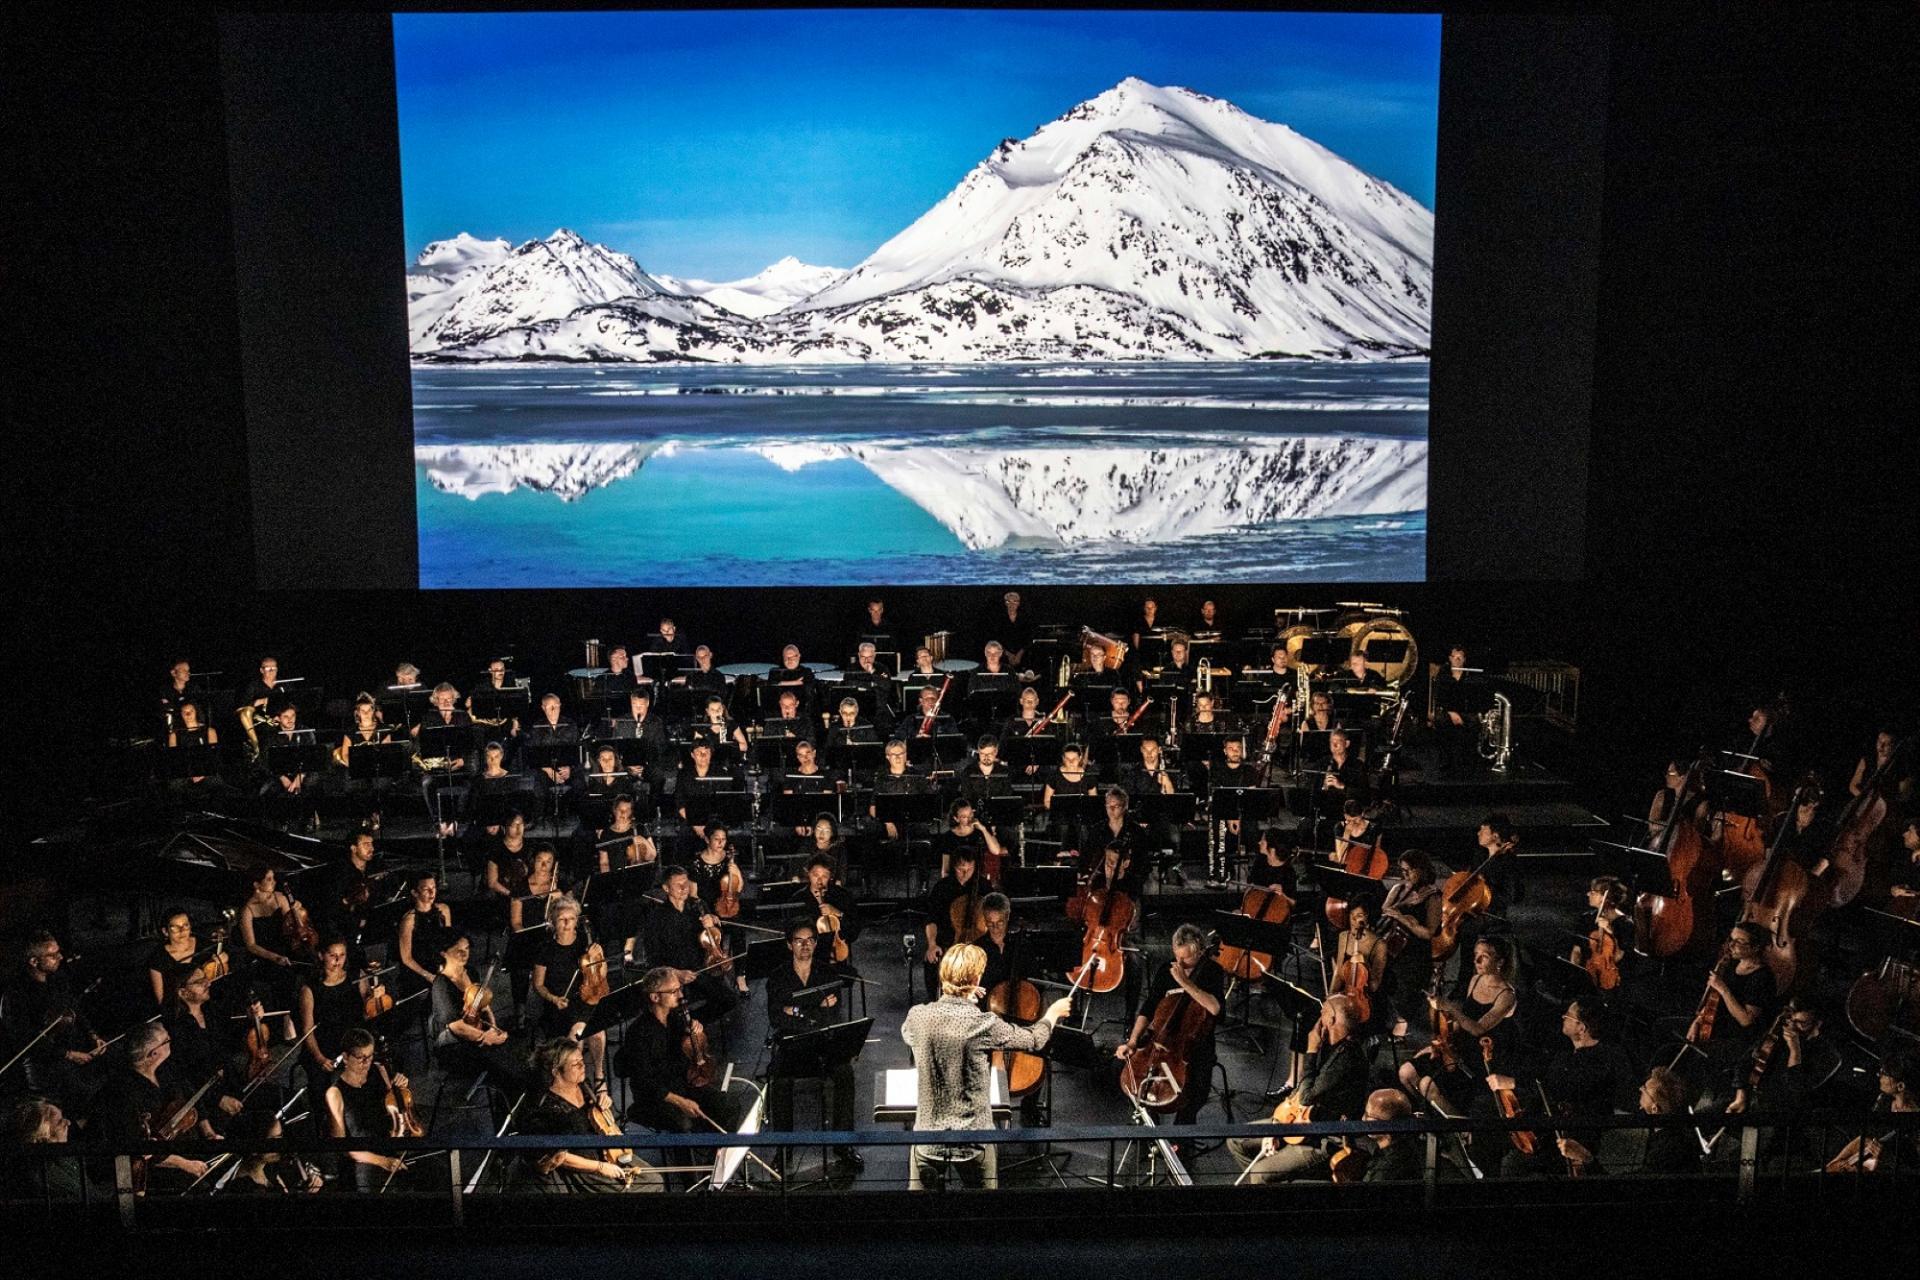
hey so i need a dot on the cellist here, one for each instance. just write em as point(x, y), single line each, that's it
point(1193, 971)
point(958, 883)
point(1359, 942)
point(1334, 1087)
point(1413, 908)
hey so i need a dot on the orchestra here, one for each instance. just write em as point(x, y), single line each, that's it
point(641, 808)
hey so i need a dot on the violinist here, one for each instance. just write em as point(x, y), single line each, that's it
point(356, 1107)
point(467, 1043)
point(1793, 1071)
point(1663, 1152)
point(801, 996)
point(1485, 1009)
point(174, 957)
point(1899, 1094)
point(1193, 971)
point(716, 873)
point(1590, 1077)
point(656, 1057)
point(265, 935)
point(963, 832)
point(604, 851)
point(960, 881)
point(367, 731)
point(331, 1004)
point(832, 905)
point(1748, 991)
point(556, 984)
point(203, 1046)
point(953, 1040)
point(823, 841)
point(343, 891)
point(62, 1064)
point(566, 1107)
point(133, 1106)
point(673, 931)
point(1606, 899)
point(528, 924)
point(424, 931)
point(1334, 1087)
point(1412, 908)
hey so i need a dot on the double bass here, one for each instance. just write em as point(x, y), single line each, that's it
point(1779, 894)
point(1743, 838)
point(1861, 827)
point(1665, 924)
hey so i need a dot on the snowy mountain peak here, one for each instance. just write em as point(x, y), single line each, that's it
point(448, 258)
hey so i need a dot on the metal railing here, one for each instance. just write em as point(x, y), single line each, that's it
point(1135, 1159)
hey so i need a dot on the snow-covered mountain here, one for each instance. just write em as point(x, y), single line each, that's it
point(1145, 223)
point(433, 282)
point(774, 289)
point(991, 495)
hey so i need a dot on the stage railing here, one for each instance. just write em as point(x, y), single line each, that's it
point(1754, 1156)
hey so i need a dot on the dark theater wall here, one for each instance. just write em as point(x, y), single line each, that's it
point(1751, 492)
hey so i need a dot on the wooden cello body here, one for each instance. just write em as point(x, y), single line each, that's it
point(1155, 1075)
point(1681, 919)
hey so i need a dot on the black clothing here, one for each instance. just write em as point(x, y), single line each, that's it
point(1210, 978)
point(940, 899)
point(1402, 1162)
point(27, 1010)
point(336, 1010)
point(562, 962)
point(840, 898)
point(784, 981)
point(431, 935)
point(673, 938)
point(949, 843)
point(172, 972)
point(978, 788)
point(506, 1063)
point(654, 1064)
point(1336, 1082)
point(550, 1115)
point(706, 877)
point(1285, 877)
point(1757, 990)
point(364, 1114)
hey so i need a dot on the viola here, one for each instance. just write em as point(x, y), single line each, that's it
point(1523, 1142)
point(1106, 913)
point(1292, 1111)
point(1603, 959)
point(727, 904)
point(714, 948)
point(259, 1044)
point(603, 1120)
point(1357, 858)
point(378, 1001)
point(297, 926)
point(1018, 1001)
point(699, 1055)
point(1155, 1075)
point(476, 1002)
point(1348, 1165)
point(399, 1100)
point(217, 965)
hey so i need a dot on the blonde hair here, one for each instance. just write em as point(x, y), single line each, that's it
point(961, 969)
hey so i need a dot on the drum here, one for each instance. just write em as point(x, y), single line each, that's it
point(956, 666)
point(937, 643)
point(584, 683)
point(1380, 631)
point(1294, 637)
point(735, 670)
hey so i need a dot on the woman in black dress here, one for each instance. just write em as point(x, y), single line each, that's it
point(263, 935)
point(565, 1107)
point(173, 959)
point(1486, 1008)
point(356, 1106)
point(527, 926)
point(424, 931)
point(330, 1006)
point(464, 1044)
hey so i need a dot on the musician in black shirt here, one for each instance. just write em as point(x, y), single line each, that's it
point(830, 901)
point(963, 832)
point(132, 1104)
point(961, 881)
point(702, 678)
point(802, 996)
point(655, 1062)
point(672, 932)
point(1194, 972)
point(1334, 1087)
point(699, 781)
point(1455, 704)
point(61, 1064)
point(1359, 675)
point(1590, 1077)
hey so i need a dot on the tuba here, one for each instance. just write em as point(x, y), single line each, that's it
point(1203, 677)
point(1496, 733)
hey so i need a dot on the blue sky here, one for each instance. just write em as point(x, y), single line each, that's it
point(711, 143)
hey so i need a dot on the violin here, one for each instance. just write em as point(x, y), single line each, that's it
point(603, 1120)
point(219, 964)
point(171, 1123)
point(1763, 1052)
point(828, 928)
point(1018, 1001)
point(1106, 913)
point(699, 1055)
point(1357, 858)
point(1257, 903)
point(1523, 1142)
point(1292, 1111)
point(476, 1003)
point(259, 1044)
point(378, 1000)
point(713, 946)
point(1348, 1165)
point(1603, 959)
point(592, 979)
point(399, 1100)
point(297, 926)
point(1155, 1075)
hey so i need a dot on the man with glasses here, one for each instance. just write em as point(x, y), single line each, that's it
point(656, 1063)
point(63, 1064)
point(805, 995)
point(132, 1107)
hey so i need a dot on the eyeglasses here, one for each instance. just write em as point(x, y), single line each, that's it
point(361, 1057)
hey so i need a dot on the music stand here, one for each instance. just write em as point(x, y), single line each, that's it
point(1111, 750)
point(446, 741)
point(1325, 650)
point(553, 754)
point(195, 760)
point(1042, 750)
point(762, 957)
point(512, 702)
point(378, 760)
point(1250, 935)
point(1365, 890)
point(1079, 810)
point(661, 667)
point(289, 760)
point(854, 756)
point(1298, 1006)
point(733, 808)
point(817, 1054)
point(1049, 882)
point(1202, 745)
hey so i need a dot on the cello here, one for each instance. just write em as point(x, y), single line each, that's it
point(1743, 839)
point(1523, 1142)
point(1861, 825)
point(1106, 913)
point(1356, 859)
point(1464, 895)
point(1018, 1001)
point(1665, 924)
point(1269, 905)
point(1155, 1076)
point(1780, 894)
